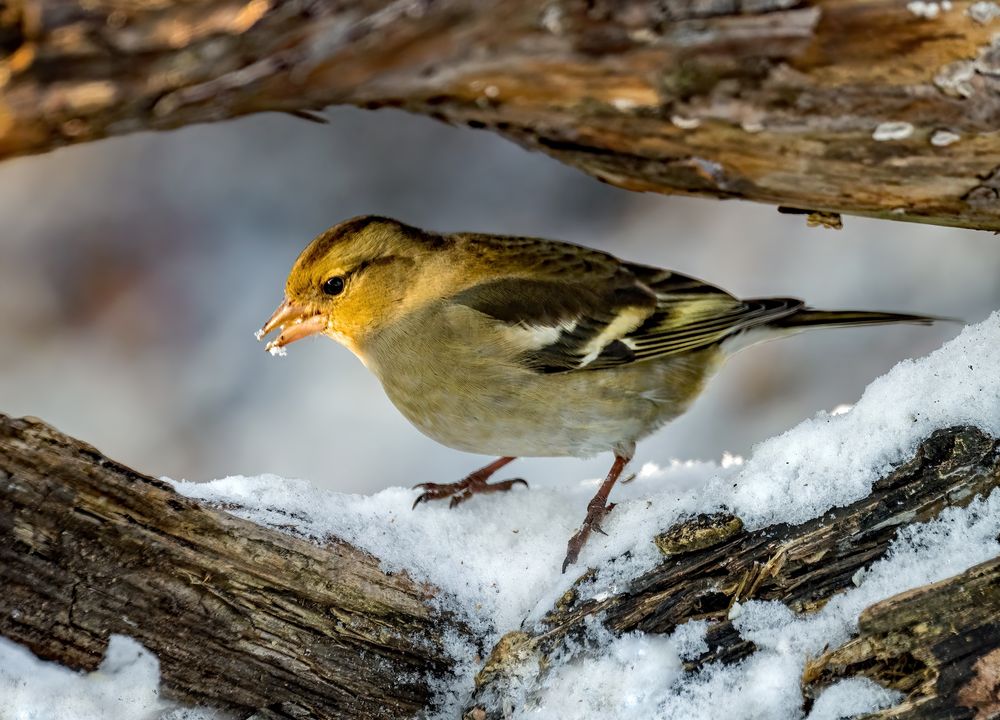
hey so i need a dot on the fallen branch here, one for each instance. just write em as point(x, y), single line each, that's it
point(712, 563)
point(939, 644)
point(254, 620)
point(241, 617)
point(866, 107)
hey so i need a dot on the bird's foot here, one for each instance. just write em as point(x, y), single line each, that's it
point(596, 512)
point(462, 490)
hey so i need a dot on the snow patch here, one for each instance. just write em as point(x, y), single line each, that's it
point(850, 698)
point(895, 130)
point(685, 123)
point(983, 12)
point(632, 678)
point(944, 138)
point(124, 687)
point(640, 676)
point(928, 10)
point(955, 79)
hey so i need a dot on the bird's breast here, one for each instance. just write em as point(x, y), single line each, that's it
point(469, 396)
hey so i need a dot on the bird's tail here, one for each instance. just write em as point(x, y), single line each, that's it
point(807, 318)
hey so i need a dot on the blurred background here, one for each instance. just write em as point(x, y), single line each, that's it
point(133, 273)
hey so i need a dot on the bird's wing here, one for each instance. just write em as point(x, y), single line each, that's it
point(691, 314)
point(559, 326)
point(571, 308)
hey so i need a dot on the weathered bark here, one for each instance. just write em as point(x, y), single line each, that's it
point(240, 616)
point(713, 563)
point(254, 620)
point(939, 644)
point(855, 106)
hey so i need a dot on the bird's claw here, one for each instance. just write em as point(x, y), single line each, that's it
point(426, 486)
point(422, 497)
point(431, 490)
point(592, 523)
point(461, 491)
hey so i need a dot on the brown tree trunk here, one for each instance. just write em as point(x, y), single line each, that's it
point(872, 107)
point(253, 620)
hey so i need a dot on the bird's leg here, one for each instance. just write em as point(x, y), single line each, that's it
point(597, 510)
point(474, 484)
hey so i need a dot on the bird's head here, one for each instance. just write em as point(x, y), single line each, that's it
point(354, 279)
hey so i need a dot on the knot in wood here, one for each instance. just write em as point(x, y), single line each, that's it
point(700, 532)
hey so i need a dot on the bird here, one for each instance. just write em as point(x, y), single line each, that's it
point(526, 347)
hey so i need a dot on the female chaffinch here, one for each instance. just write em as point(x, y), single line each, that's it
point(517, 346)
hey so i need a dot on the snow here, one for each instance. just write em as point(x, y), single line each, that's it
point(944, 138)
point(618, 682)
point(983, 12)
point(928, 10)
point(895, 130)
point(497, 558)
point(124, 687)
point(850, 698)
point(640, 676)
point(685, 123)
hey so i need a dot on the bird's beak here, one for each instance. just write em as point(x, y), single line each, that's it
point(295, 322)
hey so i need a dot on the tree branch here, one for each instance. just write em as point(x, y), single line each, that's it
point(939, 644)
point(864, 107)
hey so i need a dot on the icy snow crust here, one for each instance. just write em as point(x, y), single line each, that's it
point(497, 558)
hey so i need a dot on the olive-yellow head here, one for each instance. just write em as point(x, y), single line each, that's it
point(353, 279)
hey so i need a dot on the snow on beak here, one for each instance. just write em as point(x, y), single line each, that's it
point(294, 322)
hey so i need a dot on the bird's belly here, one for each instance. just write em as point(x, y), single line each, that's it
point(492, 423)
point(522, 413)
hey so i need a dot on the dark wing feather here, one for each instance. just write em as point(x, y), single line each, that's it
point(692, 314)
point(562, 326)
point(632, 314)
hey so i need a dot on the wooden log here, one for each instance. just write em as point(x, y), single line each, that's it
point(872, 107)
point(253, 620)
point(712, 563)
point(939, 644)
point(241, 617)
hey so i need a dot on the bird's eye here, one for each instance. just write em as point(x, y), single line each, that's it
point(334, 285)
